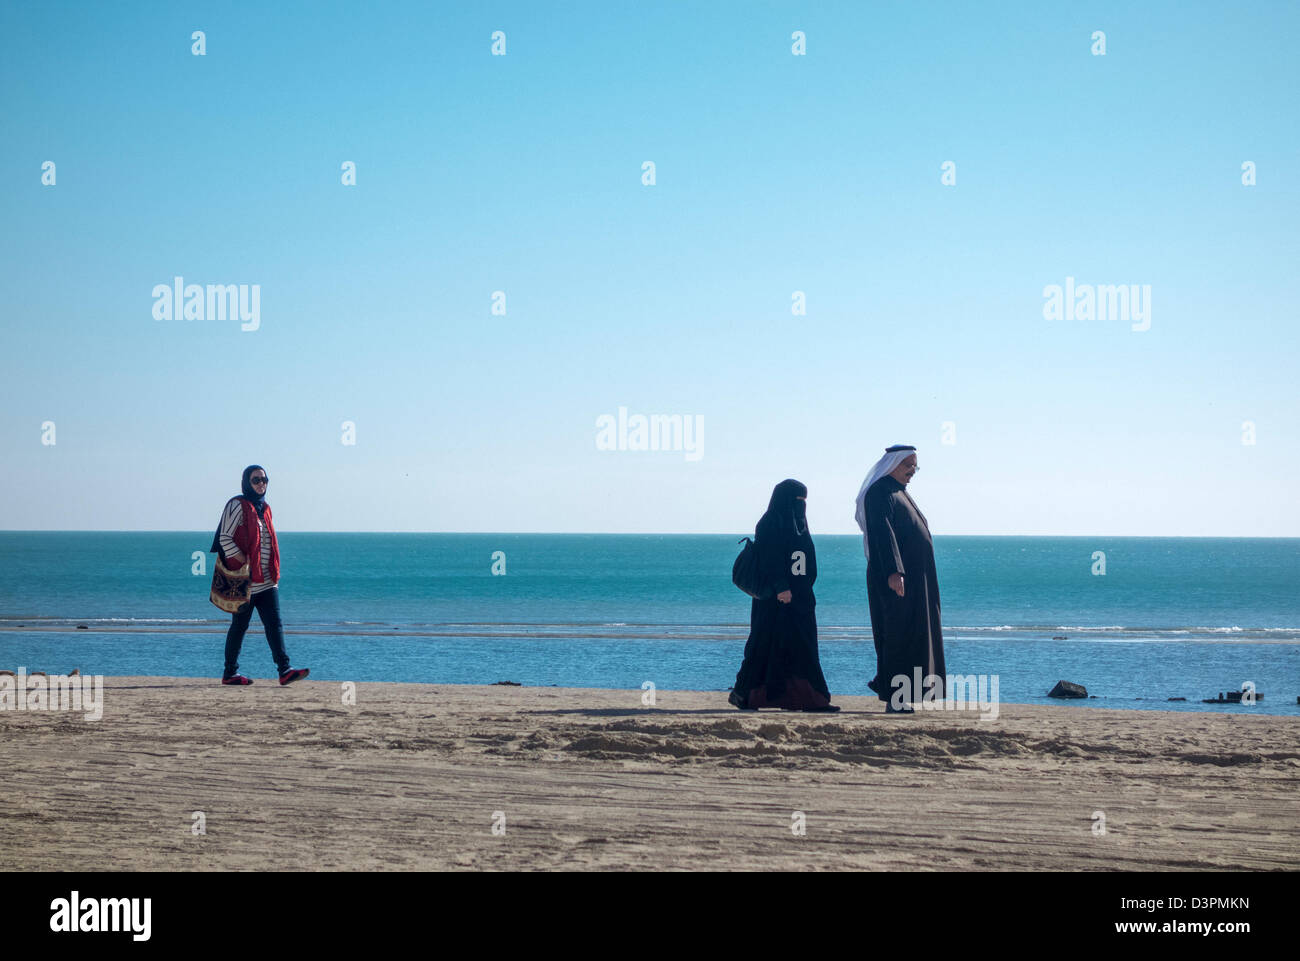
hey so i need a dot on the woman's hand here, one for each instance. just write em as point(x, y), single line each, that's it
point(784, 597)
point(896, 584)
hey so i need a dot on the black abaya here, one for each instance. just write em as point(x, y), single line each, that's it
point(781, 667)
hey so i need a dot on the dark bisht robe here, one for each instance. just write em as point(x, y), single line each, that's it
point(782, 667)
point(906, 629)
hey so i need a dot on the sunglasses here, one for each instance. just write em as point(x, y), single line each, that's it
point(259, 480)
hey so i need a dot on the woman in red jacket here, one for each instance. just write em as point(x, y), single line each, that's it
point(247, 535)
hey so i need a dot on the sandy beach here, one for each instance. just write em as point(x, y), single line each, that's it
point(414, 777)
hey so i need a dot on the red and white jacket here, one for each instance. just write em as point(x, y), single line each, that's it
point(246, 533)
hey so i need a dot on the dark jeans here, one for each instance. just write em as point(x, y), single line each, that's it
point(268, 609)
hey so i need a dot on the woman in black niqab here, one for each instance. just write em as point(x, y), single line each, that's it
point(782, 667)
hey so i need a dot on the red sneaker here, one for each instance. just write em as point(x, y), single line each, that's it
point(237, 679)
point(296, 674)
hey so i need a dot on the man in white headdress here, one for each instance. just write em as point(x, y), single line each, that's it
point(902, 584)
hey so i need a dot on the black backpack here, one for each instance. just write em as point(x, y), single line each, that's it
point(745, 573)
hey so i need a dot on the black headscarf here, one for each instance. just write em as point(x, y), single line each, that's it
point(786, 508)
point(257, 500)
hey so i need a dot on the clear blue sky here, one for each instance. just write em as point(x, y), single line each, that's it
point(775, 173)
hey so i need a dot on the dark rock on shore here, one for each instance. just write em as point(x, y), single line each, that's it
point(1068, 689)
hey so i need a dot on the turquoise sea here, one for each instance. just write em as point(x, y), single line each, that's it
point(1170, 617)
